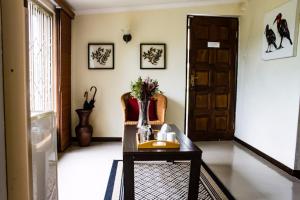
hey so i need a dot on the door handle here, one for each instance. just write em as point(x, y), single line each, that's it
point(193, 78)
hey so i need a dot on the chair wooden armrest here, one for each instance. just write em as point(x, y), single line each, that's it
point(161, 108)
point(124, 99)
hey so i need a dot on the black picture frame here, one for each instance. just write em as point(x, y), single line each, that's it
point(102, 63)
point(150, 63)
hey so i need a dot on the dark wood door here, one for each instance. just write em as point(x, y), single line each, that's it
point(64, 80)
point(212, 60)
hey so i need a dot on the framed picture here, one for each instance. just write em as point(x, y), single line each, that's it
point(101, 55)
point(280, 31)
point(153, 56)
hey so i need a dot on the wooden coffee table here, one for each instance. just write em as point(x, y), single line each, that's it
point(187, 151)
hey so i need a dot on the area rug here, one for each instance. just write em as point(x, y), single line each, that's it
point(164, 180)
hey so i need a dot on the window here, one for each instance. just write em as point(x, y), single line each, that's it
point(40, 58)
point(42, 87)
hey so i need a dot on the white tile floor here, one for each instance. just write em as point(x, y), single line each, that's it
point(246, 175)
point(83, 172)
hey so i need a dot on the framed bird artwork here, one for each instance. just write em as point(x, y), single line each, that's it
point(280, 31)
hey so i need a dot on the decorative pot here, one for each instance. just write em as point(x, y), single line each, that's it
point(84, 130)
point(143, 113)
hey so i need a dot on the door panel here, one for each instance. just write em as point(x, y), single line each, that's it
point(202, 101)
point(212, 77)
point(64, 80)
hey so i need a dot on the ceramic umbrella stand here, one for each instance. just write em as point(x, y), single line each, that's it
point(84, 130)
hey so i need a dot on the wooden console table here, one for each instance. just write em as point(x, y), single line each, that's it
point(187, 151)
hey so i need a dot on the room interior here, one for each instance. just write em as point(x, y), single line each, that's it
point(260, 160)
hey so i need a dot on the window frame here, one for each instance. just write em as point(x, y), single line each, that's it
point(48, 7)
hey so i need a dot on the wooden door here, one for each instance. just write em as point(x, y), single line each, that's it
point(64, 80)
point(212, 60)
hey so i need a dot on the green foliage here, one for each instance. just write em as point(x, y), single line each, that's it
point(136, 88)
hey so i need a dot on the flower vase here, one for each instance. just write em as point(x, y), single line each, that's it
point(143, 113)
point(84, 130)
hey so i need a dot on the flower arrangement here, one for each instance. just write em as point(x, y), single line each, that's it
point(143, 90)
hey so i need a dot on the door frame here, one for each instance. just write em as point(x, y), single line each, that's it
point(3, 181)
point(187, 77)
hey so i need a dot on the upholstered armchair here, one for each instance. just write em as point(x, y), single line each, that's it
point(157, 109)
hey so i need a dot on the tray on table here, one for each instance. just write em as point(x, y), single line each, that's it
point(157, 144)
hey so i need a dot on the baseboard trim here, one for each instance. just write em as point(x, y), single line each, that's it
point(295, 173)
point(102, 139)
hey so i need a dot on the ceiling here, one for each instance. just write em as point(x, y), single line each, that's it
point(94, 6)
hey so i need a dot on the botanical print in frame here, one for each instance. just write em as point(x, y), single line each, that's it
point(153, 56)
point(280, 31)
point(101, 55)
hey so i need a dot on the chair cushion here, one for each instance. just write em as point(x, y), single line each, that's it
point(152, 110)
point(133, 110)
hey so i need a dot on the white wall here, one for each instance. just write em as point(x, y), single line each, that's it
point(268, 91)
point(165, 26)
point(3, 188)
